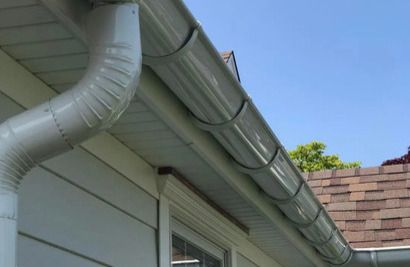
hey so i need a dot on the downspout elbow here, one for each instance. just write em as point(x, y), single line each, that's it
point(14, 164)
point(99, 99)
point(59, 124)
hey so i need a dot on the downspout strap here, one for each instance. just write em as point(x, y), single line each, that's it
point(174, 56)
point(373, 258)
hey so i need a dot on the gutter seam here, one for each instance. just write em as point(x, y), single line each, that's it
point(374, 259)
point(174, 56)
point(60, 129)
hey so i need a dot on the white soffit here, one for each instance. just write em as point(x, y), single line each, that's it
point(34, 37)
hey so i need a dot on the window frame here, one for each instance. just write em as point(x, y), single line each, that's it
point(197, 240)
point(176, 200)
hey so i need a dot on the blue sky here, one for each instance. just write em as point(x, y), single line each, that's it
point(333, 71)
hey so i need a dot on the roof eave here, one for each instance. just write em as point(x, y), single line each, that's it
point(168, 40)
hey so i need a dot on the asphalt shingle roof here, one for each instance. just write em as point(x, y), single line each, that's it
point(370, 205)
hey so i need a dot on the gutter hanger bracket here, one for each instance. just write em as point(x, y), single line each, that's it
point(321, 244)
point(174, 56)
point(307, 225)
point(291, 199)
point(373, 259)
point(224, 125)
point(266, 167)
point(332, 260)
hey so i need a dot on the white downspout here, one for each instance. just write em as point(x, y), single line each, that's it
point(59, 124)
point(380, 257)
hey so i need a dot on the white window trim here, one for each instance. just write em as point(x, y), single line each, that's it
point(196, 239)
point(178, 201)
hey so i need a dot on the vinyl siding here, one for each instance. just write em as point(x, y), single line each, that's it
point(74, 210)
point(244, 262)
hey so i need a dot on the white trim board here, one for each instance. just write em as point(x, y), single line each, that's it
point(159, 98)
point(196, 214)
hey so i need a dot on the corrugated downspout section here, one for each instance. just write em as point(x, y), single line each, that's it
point(185, 59)
point(69, 119)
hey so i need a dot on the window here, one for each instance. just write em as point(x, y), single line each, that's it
point(186, 255)
point(189, 249)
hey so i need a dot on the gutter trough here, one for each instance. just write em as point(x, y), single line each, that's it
point(177, 49)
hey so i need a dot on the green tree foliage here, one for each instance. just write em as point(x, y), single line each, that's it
point(310, 157)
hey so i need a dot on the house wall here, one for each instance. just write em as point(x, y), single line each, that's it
point(98, 204)
point(75, 210)
point(244, 262)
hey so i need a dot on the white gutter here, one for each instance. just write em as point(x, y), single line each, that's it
point(56, 126)
point(178, 50)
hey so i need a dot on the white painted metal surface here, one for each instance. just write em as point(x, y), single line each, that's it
point(90, 107)
point(219, 104)
point(145, 131)
point(16, 37)
point(176, 152)
point(198, 169)
point(95, 184)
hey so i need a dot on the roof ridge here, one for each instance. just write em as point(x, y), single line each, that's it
point(358, 171)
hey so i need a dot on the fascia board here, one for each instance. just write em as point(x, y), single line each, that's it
point(158, 97)
point(220, 161)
